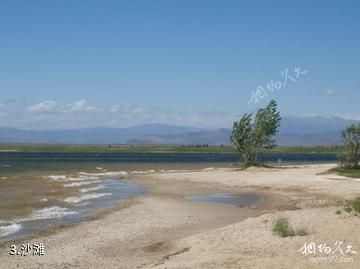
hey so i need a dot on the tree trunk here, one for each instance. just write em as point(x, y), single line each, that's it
point(246, 159)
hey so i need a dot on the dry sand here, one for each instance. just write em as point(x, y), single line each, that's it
point(161, 230)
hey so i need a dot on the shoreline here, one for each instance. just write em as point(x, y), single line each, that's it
point(160, 229)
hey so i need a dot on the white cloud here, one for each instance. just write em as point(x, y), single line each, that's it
point(49, 114)
point(46, 106)
point(80, 105)
point(349, 116)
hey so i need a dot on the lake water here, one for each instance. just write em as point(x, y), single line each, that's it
point(34, 201)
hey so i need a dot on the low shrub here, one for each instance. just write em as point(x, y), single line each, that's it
point(282, 228)
point(356, 204)
point(348, 160)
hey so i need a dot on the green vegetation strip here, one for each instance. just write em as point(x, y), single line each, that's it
point(160, 148)
point(347, 172)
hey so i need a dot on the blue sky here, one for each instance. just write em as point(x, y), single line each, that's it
point(67, 64)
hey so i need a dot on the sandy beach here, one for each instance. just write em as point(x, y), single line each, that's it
point(162, 230)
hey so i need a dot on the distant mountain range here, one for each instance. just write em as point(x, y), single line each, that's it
point(90, 135)
point(294, 130)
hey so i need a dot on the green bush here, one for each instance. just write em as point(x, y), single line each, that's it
point(356, 204)
point(348, 160)
point(353, 205)
point(282, 228)
point(351, 137)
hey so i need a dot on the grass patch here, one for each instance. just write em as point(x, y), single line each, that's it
point(282, 228)
point(353, 206)
point(107, 148)
point(338, 212)
point(356, 204)
point(256, 165)
point(347, 172)
point(328, 149)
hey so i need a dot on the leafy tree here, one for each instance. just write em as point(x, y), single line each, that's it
point(351, 137)
point(250, 136)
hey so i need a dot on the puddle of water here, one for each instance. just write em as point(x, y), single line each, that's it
point(236, 199)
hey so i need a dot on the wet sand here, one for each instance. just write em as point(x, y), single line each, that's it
point(163, 230)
